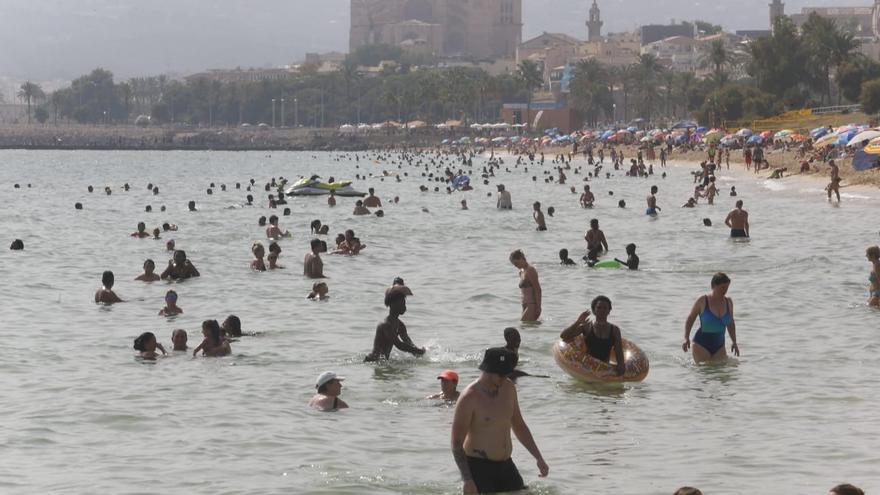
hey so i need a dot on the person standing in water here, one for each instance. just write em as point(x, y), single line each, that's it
point(486, 412)
point(528, 285)
point(372, 201)
point(834, 185)
point(652, 202)
point(873, 255)
point(738, 221)
point(392, 332)
point(504, 202)
point(448, 384)
point(106, 295)
point(596, 242)
point(708, 345)
point(587, 198)
point(538, 215)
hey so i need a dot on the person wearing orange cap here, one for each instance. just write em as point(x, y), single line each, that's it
point(392, 332)
point(448, 383)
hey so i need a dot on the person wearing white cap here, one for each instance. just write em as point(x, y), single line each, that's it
point(392, 332)
point(329, 386)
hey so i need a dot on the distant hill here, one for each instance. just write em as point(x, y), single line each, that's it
point(61, 39)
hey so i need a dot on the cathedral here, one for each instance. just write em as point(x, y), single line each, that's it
point(473, 29)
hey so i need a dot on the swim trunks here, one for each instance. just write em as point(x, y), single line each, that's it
point(738, 233)
point(495, 476)
point(651, 211)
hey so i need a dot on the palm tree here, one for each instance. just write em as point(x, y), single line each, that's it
point(716, 56)
point(531, 78)
point(828, 47)
point(30, 92)
point(647, 71)
point(686, 83)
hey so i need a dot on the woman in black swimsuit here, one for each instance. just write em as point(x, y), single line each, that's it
point(599, 335)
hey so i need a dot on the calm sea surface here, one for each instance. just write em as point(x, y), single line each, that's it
point(798, 413)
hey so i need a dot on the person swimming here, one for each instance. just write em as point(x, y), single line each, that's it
point(171, 308)
point(106, 295)
point(149, 274)
point(213, 345)
point(231, 326)
point(141, 231)
point(146, 346)
point(178, 340)
point(708, 344)
point(564, 259)
point(319, 292)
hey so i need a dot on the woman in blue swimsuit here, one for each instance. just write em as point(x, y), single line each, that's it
point(873, 254)
point(709, 339)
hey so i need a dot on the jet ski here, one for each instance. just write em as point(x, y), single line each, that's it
point(313, 186)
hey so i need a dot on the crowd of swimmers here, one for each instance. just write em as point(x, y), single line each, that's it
point(486, 411)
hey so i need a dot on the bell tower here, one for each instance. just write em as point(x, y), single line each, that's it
point(777, 10)
point(594, 25)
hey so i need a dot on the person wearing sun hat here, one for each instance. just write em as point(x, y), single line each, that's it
point(448, 384)
point(487, 411)
point(392, 332)
point(329, 386)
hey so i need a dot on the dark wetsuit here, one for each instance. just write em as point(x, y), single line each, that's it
point(712, 327)
point(495, 476)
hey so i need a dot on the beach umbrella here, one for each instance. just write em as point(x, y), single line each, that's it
point(863, 136)
point(744, 132)
point(873, 147)
point(843, 139)
point(826, 140)
point(681, 138)
point(845, 128)
point(818, 132)
point(797, 137)
point(713, 137)
point(766, 134)
point(755, 139)
point(781, 134)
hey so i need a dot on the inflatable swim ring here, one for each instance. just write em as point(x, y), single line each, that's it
point(607, 264)
point(574, 360)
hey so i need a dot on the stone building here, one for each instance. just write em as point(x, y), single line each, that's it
point(476, 29)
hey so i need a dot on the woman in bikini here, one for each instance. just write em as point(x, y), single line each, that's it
point(708, 345)
point(529, 285)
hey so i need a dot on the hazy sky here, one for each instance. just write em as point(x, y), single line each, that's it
point(61, 39)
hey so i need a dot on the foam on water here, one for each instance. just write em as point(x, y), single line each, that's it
point(81, 415)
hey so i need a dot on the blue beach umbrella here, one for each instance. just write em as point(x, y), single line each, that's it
point(818, 132)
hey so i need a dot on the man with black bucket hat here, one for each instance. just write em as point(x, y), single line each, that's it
point(486, 412)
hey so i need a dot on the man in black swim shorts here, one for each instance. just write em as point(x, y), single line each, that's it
point(486, 412)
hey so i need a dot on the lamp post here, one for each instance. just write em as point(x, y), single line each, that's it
point(282, 112)
point(273, 112)
point(613, 113)
point(296, 112)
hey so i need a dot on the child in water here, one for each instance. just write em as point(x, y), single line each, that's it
point(564, 259)
point(319, 292)
point(632, 260)
point(146, 344)
point(171, 307)
point(213, 344)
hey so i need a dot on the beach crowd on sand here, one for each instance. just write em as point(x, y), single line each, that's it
point(487, 410)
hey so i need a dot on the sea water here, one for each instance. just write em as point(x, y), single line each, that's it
point(796, 413)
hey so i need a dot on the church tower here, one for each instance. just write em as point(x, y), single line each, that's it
point(777, 10)
point(594, 25)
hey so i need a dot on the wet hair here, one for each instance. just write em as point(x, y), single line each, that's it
point(315, 226)
point(563, 253)
point(707, 222)
point(324, 229)
point(846, 489)
point(315, 244)
point(143, 339)
point(688, 490)
point(594, 223)
point(286, 212)
point(107, 279)
point(273, 219)
point(537, 204)
point(739, 203)
point(166, 226)
point(621, 204)
point(597, 300)
point(380, 213)
point(78, 206)
point(148, 260)
point(234, 325)
point(191, 205)
point(261, 221)
point(275, 248)
point(17, 245)
point(551, 211)
point(720, 278)
point(873, 251)
point(213, 329)
point(517, 255)
point(142, 226)
point(257, 245)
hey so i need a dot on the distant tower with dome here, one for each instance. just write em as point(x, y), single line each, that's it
point(777, 10)
point(594, 25)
